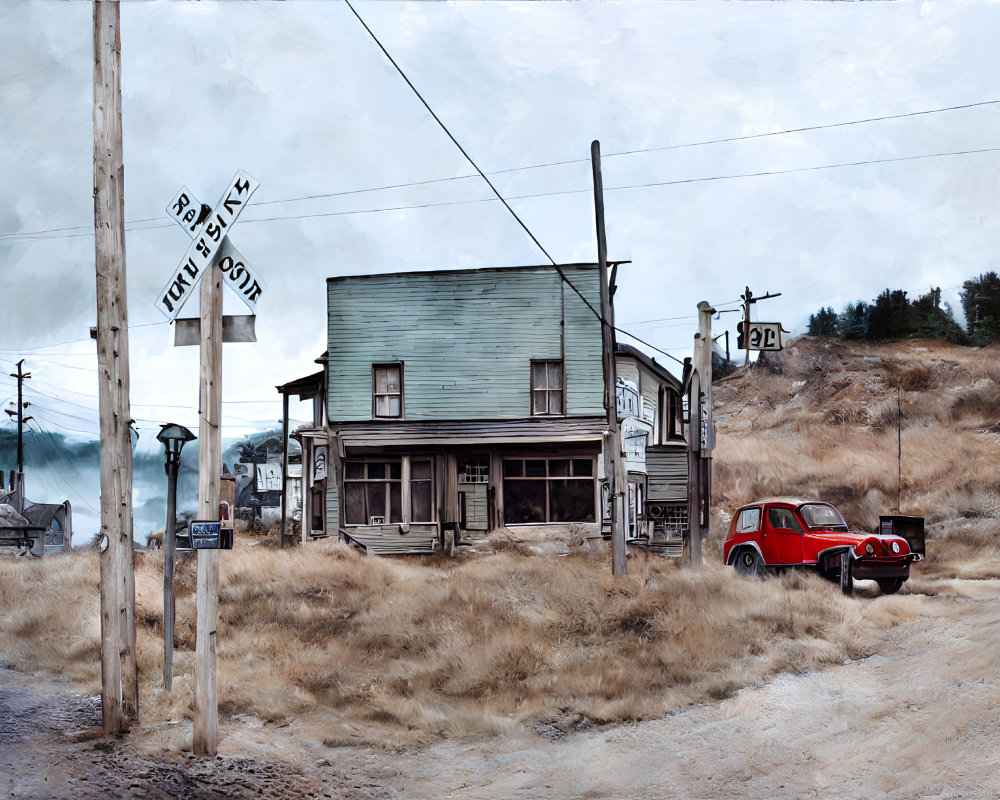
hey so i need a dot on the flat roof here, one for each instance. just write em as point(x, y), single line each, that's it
point(467, 271)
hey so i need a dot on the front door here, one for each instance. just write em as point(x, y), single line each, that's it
point(781, 539)
point(473, 486)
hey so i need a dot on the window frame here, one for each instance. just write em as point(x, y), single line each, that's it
point(385, 365)
point(405, 482)
point(749, 527)
point(548, 391)
point(546, 480)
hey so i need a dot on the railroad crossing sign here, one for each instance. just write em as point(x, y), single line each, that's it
point(210, 246)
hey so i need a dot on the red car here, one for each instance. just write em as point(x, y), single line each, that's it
point(792, 533)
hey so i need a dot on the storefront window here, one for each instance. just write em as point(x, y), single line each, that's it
point(538, 490)
point(373, 492)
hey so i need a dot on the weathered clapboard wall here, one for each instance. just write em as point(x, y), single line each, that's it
point(466, 339)
point(332, 503)
point(666, 468)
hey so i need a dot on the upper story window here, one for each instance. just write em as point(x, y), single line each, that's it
point(387, 390)
point(547, 393)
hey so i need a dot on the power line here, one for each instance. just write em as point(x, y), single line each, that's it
point(75, 341)
point(87, 231)
point(535, 195)
point(747, 137)
point(474, 164)
point(47, 455)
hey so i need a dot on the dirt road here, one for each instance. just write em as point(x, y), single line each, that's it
point(920, 718)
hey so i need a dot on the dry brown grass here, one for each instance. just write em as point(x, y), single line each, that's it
point(388, 650)
point(482, 646)
point(49, 618)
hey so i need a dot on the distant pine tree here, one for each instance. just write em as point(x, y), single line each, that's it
point(981, 304)
point(890, 317)
point(824, 323)
point(931, 321)
point(853, 321)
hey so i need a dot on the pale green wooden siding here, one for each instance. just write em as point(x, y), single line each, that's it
point(466, 340)
point(584, 367)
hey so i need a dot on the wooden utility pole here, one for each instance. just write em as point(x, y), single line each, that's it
point(206, 688)
point(18, 483)
point(693, 555)
point(119, 671)
point(749, 300)
point(613, 466)
point(701, 400)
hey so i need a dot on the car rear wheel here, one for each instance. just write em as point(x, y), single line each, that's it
point(889, 585)
point(748, 563)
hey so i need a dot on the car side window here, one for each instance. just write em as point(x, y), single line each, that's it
point(748, 521)
point(783, 519)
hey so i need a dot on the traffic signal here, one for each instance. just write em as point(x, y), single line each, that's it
point(740, 338)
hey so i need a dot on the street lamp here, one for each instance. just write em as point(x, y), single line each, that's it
point(174, 438)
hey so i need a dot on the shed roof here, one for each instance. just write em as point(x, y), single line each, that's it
point(650, 363)
point(306, 387)
point(41, 514)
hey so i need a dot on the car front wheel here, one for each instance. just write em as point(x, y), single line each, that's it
point(748, 563)
point(890, 585)
point(846, 574)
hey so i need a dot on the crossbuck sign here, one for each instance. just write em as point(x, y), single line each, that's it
point(210, 246)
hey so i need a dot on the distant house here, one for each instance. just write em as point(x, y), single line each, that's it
point(653, 439)
point(466, 401)
point(41, 528)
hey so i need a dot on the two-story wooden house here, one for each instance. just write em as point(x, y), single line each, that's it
point(461, 400)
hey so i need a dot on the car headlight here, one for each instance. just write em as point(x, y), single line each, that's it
point(869, 548)
point(894, 547)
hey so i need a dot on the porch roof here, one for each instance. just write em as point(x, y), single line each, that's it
point(535, 430)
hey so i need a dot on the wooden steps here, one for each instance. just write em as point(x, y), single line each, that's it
point(386, 540)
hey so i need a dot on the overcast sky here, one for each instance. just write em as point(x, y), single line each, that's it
point(298, 95)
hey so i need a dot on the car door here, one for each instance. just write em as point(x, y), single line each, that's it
point(781, 539)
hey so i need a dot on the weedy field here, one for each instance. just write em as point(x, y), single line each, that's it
point(399, 651)
point(395, 651)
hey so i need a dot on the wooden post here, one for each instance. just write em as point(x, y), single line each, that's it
point(703, 365)
point(284, 471)
point(119, 671)
point(169, 557)
point(747, 302)
point(206, 689)
point(613, 468)
point(694, 469)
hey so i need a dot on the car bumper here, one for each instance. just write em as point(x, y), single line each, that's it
point(873, 568)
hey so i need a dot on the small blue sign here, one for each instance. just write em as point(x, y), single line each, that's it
point(204, 535)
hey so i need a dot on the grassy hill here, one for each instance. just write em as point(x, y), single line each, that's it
point(819, 420)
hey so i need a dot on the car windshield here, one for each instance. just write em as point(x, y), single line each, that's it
point(820, 515)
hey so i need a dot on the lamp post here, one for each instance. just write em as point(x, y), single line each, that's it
point(173, 437)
